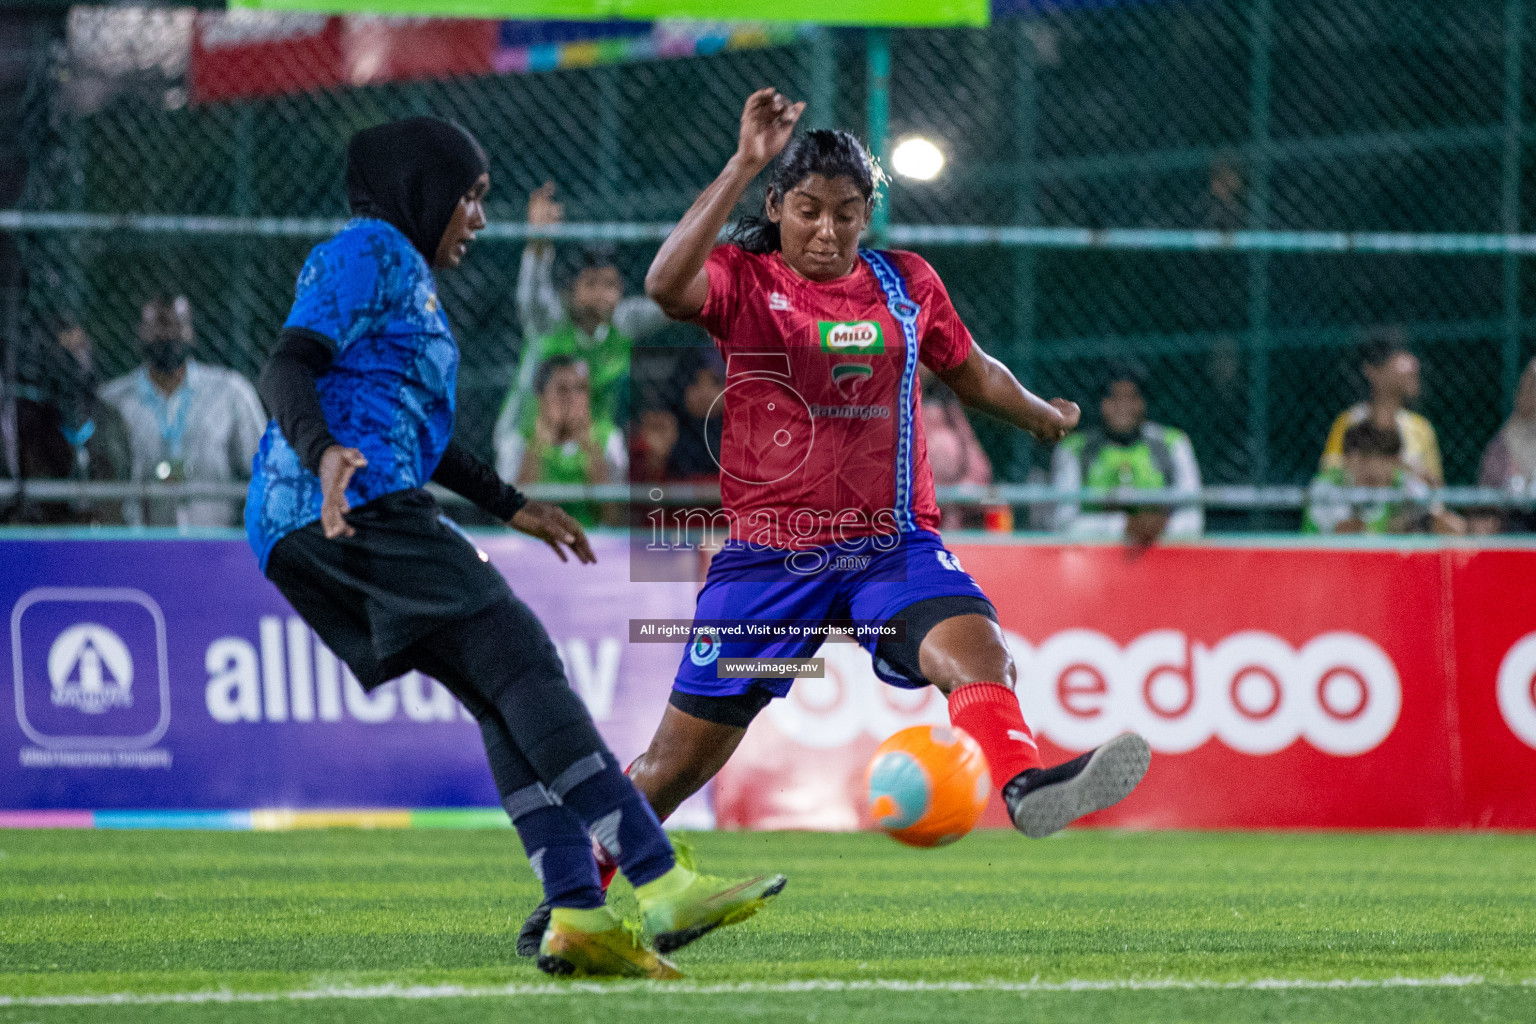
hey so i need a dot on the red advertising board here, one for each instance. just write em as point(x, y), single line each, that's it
point(1492, 613)
point(1278, 687)
point(380, 49)
point(264, 54)
point(247, 54)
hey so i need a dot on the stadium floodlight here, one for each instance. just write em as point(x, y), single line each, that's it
point(917, 158)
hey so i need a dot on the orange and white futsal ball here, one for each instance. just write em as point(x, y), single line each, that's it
point(928, 785)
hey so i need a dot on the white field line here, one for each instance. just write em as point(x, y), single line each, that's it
point(558, 989)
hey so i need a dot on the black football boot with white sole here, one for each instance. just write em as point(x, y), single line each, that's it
point(1046, 800)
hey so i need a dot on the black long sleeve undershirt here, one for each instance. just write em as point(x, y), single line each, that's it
point(468, 477)
point(287, 386)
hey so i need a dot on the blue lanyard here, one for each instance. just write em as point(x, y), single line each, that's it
point(172, 426)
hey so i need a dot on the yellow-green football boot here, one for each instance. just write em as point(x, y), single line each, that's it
point(684, 904)
point(597, 944)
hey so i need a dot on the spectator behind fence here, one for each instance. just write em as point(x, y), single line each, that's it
point(700, 416)
point(64, 431)
point(953, 450)
point(652, 438)
point(587, 317)
point(187, 421)
point(1372, 457)
point(1509, 462)
point(565, 443)
point(1392, 374)
point(1127, 450)
point(52, 426)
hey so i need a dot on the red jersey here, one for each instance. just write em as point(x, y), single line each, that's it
point(822, 439)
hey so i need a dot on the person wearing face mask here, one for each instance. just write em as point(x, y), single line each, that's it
point(361, 387)
point(187, 421)
point(1127, 450)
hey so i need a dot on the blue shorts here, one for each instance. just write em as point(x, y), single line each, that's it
point(870, 581)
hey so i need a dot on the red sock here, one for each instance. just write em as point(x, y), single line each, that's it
point(990, 713)
point(607, 867)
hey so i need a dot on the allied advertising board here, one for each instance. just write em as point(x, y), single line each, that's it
point(1278, 687)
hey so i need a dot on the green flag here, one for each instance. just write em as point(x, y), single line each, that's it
point(840, 12)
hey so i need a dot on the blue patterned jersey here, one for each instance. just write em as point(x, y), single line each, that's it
point(389, 392)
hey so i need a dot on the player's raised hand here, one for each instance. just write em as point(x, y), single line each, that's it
point(552, 525)
point(337, 464)
point(542, 208)
point(767, 122)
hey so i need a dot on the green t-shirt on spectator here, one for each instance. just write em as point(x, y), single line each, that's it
point(607, 359)
point(1326, 511)
point(567, 464)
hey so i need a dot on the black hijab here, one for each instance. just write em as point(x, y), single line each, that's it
point(413, 173)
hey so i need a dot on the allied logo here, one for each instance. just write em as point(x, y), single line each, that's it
point(705, 648)
point(948, 560)
point(90, 669)
point(850, 377)
point(778, 302)
point(863, 336)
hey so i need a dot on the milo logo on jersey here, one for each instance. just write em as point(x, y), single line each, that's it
point(863, 336)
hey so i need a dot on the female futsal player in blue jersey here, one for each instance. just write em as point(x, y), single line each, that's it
point(361, 387)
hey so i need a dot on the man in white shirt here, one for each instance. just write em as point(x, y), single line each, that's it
point(187, 421)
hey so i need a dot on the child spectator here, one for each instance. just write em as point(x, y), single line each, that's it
point(651, 442)
point(700, 417)
point(953, 451)
point(565, 444)
point(1392, 373)
point(586, 317)
point(1372, 457)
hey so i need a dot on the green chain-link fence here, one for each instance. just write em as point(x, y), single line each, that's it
point(1171, 118)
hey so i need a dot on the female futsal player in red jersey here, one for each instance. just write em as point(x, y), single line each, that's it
point(824, 471)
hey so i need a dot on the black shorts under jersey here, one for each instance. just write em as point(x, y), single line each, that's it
point(406, 573)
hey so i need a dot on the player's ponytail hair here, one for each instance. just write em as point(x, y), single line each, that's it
point(830, 153)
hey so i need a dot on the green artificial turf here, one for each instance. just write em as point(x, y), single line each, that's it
point(1040, 928)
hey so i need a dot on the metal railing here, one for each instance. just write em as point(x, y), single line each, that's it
point(1380, 243)
point(1221, 497)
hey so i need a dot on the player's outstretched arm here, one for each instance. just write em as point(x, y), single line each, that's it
point(988, 386)
point(677, 281)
